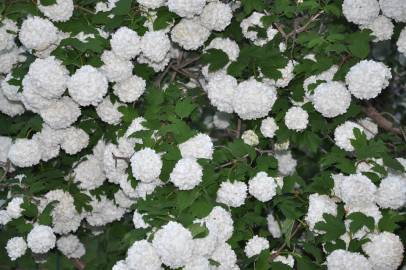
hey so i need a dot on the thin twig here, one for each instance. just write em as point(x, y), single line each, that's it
point(85, 9)
point(381, 121)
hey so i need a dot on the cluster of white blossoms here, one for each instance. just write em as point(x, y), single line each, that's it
point(377, 16)
point(255, 245)
point(186, 252)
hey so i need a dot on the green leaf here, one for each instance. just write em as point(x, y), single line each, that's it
point(359, 43)
point(332, 226)
point(251, 5)
point(216, 59)
point(45, 217)
point(278, 266)
point(359, 220)
point(47, 2)
point(198, 231)
point(389, 221)
point(122, 7)
point(30, 209)
point(163, 18)
point(262, 262)
point(185, 199)
point(184, 108)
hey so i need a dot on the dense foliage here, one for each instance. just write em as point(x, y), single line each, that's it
point(194, 134)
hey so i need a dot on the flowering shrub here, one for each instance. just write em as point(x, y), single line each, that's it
point(202, 134)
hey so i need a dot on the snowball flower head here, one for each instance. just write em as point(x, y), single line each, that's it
point(286, 163)
point(341, 259)
point(152, 4)
point(344, 133)
point(14, 209)
point(61, 113)
point(142, 255)
point(250, 137)
point(360, 11)
point(392, 192)
point(177, 253)
point(268, 127)
point(37, 33)
point(198, 263)
point(108, 112)
point(10, 108)
point(357, 190)
point(255, 245)
point(16, 247)
point(262, 187)
point(146, 165)
point(318, 206)
point(232, 194)
point(189, 33)
point(115, 68)
point(253, 99)
point(369, 127)
point(61, 11)
point(255, 21)
point(225, 256)
point(394, 9)
point(187, 174)
point(125, 43)
point(41, 239)
point(219, 223)
point(89, 173)
point(199, 146)
point(74, 140)
point(186, 8)
point(286, 73)
point(138, 221)
point(25, 153)
point(130, 89)
point(401, 43)
point(155, 45)
point(381, 27)
point(87, 86)
point(384, 251)
point(367, 79)
point(273, 226)
point(331, 99)
point(296, 119)
point(216, 16)
point(49, 76)
point(220, 90)
point(70, 246)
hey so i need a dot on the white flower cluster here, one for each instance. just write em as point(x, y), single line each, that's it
point(41, 239)
point(185, 252)
point(250, 137)
point(262, 187)
point(70, 246)
point(367, 79)
point(296, 119)
point(232, 194)
point(10, 54)
point(318, 206)
point(255, 245)
point(401, 43)
point(61, 11)
point(255, 21)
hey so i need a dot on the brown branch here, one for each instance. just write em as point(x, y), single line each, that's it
point(380, 120)
point(119, 158)
point(80, 265)
point(280, 249)
point(238, 131)
point(303, 28)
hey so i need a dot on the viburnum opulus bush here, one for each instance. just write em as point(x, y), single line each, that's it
point(202, 134)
